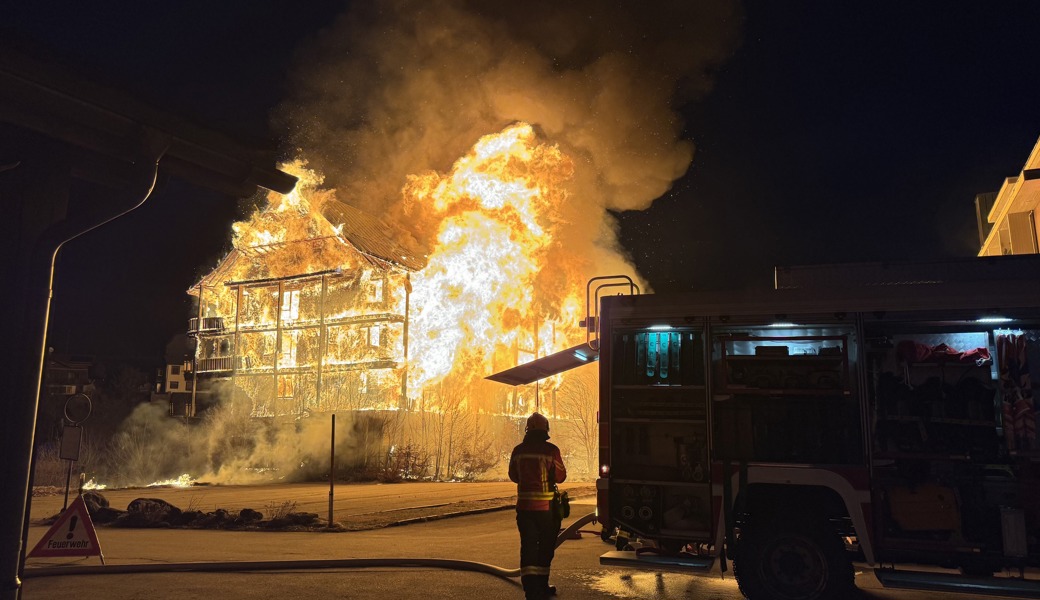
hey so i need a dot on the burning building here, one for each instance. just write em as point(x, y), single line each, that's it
point(322, 307)
point(309, 312)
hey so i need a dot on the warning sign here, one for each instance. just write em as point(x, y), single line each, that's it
point(71, 535)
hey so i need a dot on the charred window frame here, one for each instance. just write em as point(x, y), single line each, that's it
point(375, 290)
point(374, 336)
point(290, 305)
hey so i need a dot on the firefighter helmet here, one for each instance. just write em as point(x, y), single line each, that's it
point(537, 422)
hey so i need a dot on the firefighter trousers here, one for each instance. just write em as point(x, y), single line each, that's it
point(538, 531)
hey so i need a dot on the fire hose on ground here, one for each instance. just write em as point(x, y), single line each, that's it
point(571, 532)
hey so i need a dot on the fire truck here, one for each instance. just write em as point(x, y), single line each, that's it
point(872, 414)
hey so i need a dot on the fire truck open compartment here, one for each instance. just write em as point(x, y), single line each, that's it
point(660, 417)
point(953, 472)
point(785, 393)
point(898, 419)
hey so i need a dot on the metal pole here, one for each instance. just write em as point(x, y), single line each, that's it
point(68, 482)
point(407, 308)
point(537, 388)
point(189, 411)
point(278, 350)
point(332, 467)
point(322, 342)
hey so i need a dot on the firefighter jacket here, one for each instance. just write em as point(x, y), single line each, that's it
point(530, 466)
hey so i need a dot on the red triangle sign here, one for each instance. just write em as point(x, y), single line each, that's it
point(71, 535)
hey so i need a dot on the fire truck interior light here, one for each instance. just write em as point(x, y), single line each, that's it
point(993, 320)
point(783, 324)
point(660, 327)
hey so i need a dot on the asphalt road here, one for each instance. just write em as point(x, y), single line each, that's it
point(487, 537)
point(350, 500)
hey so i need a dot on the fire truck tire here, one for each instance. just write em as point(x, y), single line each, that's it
point(792, 559)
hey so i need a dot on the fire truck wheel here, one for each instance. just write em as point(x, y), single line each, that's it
point(792, 559)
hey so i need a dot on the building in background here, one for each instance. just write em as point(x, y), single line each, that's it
point(1007, 218)
point(175, 380)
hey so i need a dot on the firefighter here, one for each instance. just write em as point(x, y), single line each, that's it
point(535, 466)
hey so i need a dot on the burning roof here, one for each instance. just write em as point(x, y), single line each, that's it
point(370, 235)
point(345, 235)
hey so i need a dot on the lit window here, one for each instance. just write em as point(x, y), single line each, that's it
point(374, 336)
point(291, 305)
point(286, 387)
point(290, 340)
point(363, 383)
point(375, 290)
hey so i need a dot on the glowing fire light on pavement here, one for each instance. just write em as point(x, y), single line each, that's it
point(184, 480)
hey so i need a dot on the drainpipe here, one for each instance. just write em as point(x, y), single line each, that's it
point(278, 346)
point(17, 494)
point(189, 411)
point(407, 308)
point(322, 342)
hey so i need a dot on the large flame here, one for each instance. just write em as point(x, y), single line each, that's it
point(488, 297)
point(496, 214)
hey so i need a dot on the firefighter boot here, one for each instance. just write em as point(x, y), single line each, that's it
point(534, 589)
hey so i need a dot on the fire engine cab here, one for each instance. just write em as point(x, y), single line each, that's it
point(870, 414)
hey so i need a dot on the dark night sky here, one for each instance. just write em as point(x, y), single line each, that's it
point(836, 132)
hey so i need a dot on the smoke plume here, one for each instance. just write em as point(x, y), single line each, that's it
point(398, 87)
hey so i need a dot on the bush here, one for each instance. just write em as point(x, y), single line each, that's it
point(50, 470)
point(406, 463)
point(472, 464)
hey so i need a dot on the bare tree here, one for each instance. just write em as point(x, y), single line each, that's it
point(452, 395)
point(577, 402)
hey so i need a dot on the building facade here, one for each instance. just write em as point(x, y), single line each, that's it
point(1007, 219)
point(308, 324)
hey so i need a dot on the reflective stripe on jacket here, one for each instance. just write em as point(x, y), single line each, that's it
point(529, 466)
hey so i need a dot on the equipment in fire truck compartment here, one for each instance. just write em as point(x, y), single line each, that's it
point(932, 398)
point(659, 358)
point(785, 398)
point(660, 451)
point(659, 434)
point(813, 365)
point(682, 512)
point(1017, 406)
point(944, 445)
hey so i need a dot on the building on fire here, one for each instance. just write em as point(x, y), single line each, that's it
point(311, 320)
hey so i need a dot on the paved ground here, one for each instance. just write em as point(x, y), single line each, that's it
point(488, 538)
point(356, 506)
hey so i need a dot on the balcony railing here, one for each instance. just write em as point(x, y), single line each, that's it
point(214, 365)
point(209, 325)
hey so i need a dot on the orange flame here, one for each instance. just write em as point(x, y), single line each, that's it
point(480, 304)
point(496, 214)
